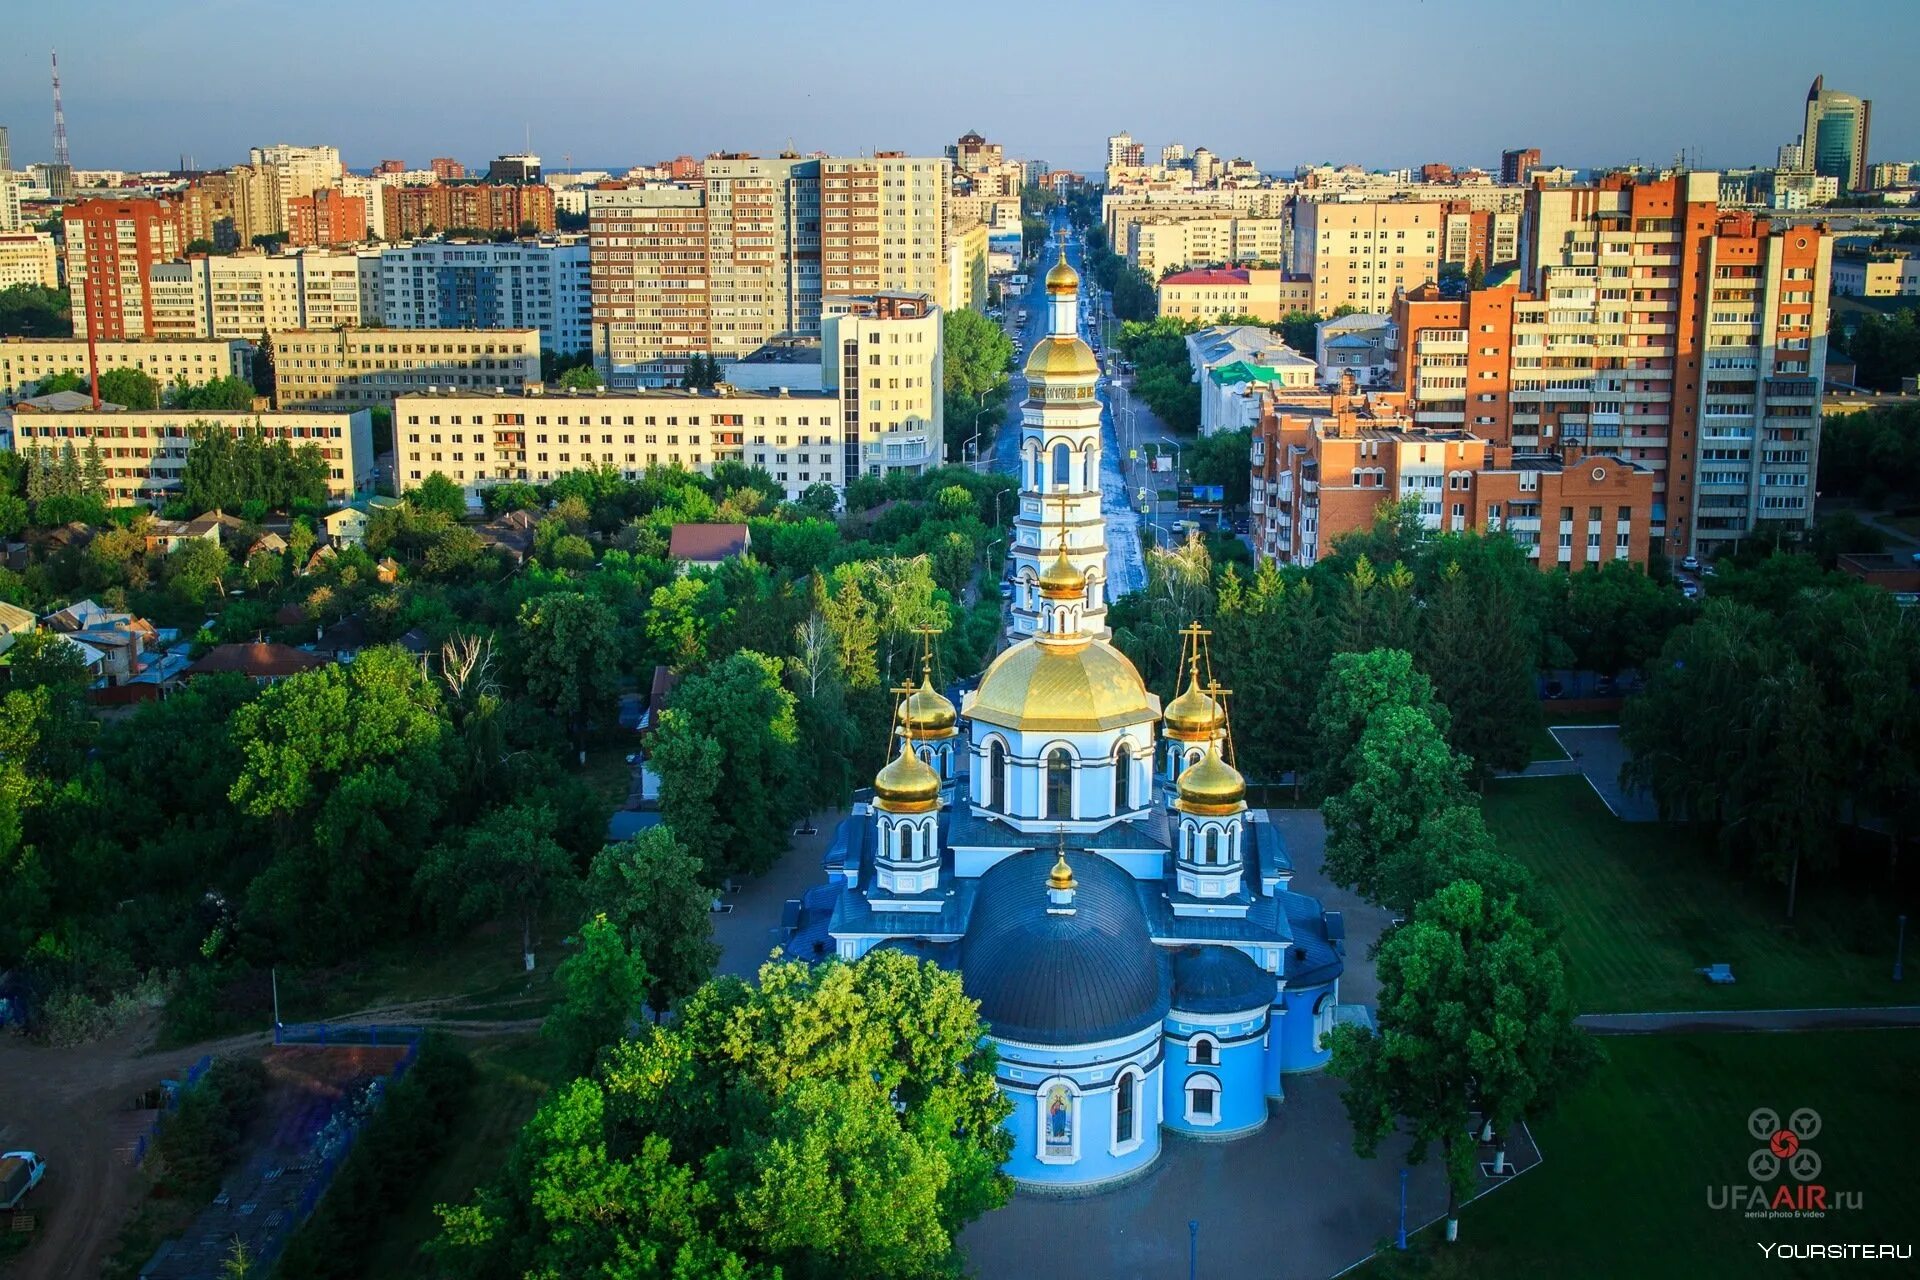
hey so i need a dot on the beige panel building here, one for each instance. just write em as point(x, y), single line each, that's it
point(1361, 254)
point(1268, 294)
point(883, 220)
point(29, 258)
point(145, 452)
point(882, 355)
point(1157, 246)
point(534, 434)
point(964, 275)
point(294, 172)
point(250, 294)
point(24, 362)
point(357, 368)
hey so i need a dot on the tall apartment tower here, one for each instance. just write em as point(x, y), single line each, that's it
point(112, 248)
point(1645, 323)
point(6, 151)
point(1835, 140)
point(1517, 164)
point(1361, 254)
point(1123, 150)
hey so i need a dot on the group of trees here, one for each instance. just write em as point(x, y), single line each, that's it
point(1885, 349)
point(1163, 374)
point(978, 356)
point(62, 485)
point(34, 311)
point(227, 471)
point(1785, 709)
point(832, 1120)
point(1475, 1031)
point(1872, 457)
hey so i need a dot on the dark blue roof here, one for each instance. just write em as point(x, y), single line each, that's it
point(1219, 980)
point(1315, 957)
point(1062, 979)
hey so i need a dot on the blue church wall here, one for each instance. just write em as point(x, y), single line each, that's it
point(1232, 1057)
point(1309, 1014)
point(1065, 1124)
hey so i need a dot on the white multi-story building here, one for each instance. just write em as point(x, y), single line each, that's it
point(297, 171)
point(479, 439)
point(247, 295)
point(29, 258)
point(519, 284)
point(26, 362)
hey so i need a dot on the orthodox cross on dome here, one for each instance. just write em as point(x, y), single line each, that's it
point(1220, 694)
point(1065, 503)
point(927, 635)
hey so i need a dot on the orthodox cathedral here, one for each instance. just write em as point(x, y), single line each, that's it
point(1083, 856)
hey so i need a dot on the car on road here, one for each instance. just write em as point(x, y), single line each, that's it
point(20, 1172)
point(1690, 563)
point(1690, 591)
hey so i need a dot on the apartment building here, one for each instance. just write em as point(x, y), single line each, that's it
point(468, 206)
point(328, 218)
point(964, 280)
point(112, 247)
point(1323, 462)
point(144, 452)
point(1268, 294)
point(229, 209)
point(520, 284)
point(533, 434)
point(1160, 245)
point(1646, 323)
point(29, 258)
point(9, 201)
point(1120, 210)
point(1517, 166)
point(1362, 253)
point(882, 355)
point(725, 266)
point(358, 368)
point(247, 295)
point(293, 172)
point(1486, 237)
point(1855, 275)
point(26, 362)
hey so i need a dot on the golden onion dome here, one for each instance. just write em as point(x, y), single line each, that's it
point(906, 784)
point(1061, 581)
point(926, 713)
point(1061, 877)
point(1193, 716)
point(1063, 278)
point(1211, 786)
point(1085, 687)
point(1062, 358)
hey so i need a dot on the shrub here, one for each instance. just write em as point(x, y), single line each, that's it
point(199, 1137)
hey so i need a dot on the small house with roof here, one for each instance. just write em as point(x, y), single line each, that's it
point(707, 546)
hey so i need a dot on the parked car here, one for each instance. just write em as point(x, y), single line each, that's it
point(20, 1172)
point(1690, 591)
point(1690, 563)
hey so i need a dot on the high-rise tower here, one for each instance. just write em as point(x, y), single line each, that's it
point(1060, 464)
point(1834, 143)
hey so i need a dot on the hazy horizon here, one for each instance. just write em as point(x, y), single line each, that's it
point(1421, 82)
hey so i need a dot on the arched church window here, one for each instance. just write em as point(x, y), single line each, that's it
point(1062, 467)
point(902, 843)
point(1056, 1122)
point(1213, 847)
point(997, 778)
point(1126, 1092)
point(1123, 779)
point(1203, 1100)
point(1059, 784)
point(1203, 1051)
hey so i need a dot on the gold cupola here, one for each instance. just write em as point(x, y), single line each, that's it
point(1063, 278)
point(906, 784)
point(1060, 580)
point(1193, 716)
point(926, 714)
point(1210, 787)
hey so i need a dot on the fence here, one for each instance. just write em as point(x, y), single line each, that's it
point(173, 1091)
point(262, 1205)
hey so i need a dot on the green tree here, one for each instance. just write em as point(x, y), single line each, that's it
point(1479, 642)
point(32, 311)
point(196, 569)
point(437, 493)
point(839, 1119)
point(1359, 685)
point(1615, 617)
point(726, 752)
point(507, 866)
point(133, 388)
point(678, 625)
point(568, 646)
point(1474, 1025)
point(602, 982)
point(649, 888)
point(225, 393)
point(1403, 774)
point(703, 372)
point(580, 377)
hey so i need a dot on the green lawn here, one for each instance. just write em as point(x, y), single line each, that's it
point(1645, 904)
point(514, 1075)
point(1628, 1160)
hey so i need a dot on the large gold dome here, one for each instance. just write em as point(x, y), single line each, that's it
point(906, 784)
point(1194, 716)
point(1061, 581)
point(925, 713)
point(1054, 688)
point(1055, 357)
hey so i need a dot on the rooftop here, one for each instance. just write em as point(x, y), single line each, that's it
point(704, 542)
point(539, 391)
point(785, 350)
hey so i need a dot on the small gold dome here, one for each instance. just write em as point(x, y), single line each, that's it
point(1193, 716)
point(1063, 278)
point(1211, 786)
point(906, 784)
point(1061, 581)
point(1061, 877)
point(926, 713)
point(1062, 358)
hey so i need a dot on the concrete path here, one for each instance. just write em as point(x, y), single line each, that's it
point(749, 933)
point(1596, 753)
point(1685, 1022)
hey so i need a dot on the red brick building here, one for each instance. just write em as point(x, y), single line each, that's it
point(447, 169)
point(327, 217)
point(475, 206)
point(112, 247)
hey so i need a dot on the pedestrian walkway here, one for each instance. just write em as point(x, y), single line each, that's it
point(1689, 1021)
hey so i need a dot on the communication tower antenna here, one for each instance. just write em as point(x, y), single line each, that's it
point(59, 116)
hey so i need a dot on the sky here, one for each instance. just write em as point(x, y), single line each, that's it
point(1385, 84)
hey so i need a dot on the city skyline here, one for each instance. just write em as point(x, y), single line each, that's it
point(361, 82)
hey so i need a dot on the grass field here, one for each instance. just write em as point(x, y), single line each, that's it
point(1628, 1160)
point(514, 1075)
point(1643, 905)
